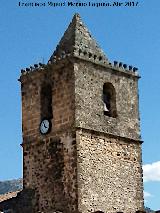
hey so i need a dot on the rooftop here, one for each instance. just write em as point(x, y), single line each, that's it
point(8, 196)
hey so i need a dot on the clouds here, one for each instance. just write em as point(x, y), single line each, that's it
point(147, 195)
point(151, 172)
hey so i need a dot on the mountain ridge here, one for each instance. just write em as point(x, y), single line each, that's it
point(11, 185)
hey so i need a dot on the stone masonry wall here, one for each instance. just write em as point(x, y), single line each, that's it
point(50, 160)
point(52, 173)
point(108, 165)
point(61, 79)
point(109, 174)
point(89, 81)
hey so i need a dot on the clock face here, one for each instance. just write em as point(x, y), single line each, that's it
point(45, 126)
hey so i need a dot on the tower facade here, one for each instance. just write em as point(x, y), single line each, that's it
point(81, 133)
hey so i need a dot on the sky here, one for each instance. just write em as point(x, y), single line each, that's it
point(130, 34)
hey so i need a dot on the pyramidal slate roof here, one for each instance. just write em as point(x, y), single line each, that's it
point(77, 41)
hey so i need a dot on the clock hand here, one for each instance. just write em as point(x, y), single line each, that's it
point(45, 125)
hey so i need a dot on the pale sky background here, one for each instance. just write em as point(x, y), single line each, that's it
point(127, 34)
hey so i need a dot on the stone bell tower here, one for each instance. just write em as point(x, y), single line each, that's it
point(81, 133)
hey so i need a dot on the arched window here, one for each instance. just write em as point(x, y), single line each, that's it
point(109, 100)
point(46, 101)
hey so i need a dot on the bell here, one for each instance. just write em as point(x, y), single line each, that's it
point(105, 108)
